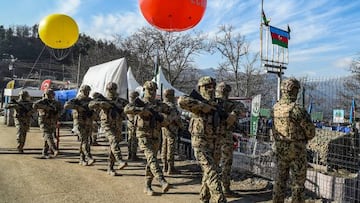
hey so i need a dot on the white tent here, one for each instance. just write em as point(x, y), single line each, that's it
point(114, 71)
point(133, 85)
point(163, 84)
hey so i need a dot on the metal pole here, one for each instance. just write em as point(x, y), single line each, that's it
point(78, 71)
point(261, 31)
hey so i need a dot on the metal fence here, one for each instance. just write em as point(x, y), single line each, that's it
point(333, 155)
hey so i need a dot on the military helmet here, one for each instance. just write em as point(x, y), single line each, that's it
point(134, 94)
point(50, 92)
point(290, 84)
point(169, 92)
point(206, 80)
point(24, 93)
point(85, 88)
point(223, 87)
point(111, 86)
point(150, 85)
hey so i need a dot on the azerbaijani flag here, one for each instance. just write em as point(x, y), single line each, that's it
point(352, 111)
point(279, 36)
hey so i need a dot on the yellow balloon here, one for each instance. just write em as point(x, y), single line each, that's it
point(58, 31)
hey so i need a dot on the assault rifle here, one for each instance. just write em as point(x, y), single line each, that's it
point(85, 105)
point(156, 116)
point(218, 113)
point(25, 109)
point(115, 109)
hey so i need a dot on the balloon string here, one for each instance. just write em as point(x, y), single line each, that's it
point(32, 68)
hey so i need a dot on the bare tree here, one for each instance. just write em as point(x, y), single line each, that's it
point(239, 65)
point(175, 51)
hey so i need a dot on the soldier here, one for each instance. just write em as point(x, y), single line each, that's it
point(132, 139)
point(291, 130)
point(203, 127)
point(148, 122)
point(49, 112)
point(170, 132)
point(96, 124)
point(84, 119)
point(224, 149)
point(111, 116)
point(22, 115)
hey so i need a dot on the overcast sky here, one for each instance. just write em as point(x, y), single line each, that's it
point(324, 33)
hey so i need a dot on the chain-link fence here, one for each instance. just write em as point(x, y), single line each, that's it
point(333, 155)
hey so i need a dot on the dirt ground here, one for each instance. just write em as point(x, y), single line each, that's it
point(27, 178)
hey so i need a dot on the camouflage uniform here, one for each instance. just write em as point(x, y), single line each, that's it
point(132, 139)
point(84, 120)
point(111, 115)
point(291, 130)
point(224, 149)
point(170, 132)
point(49, 112)
point(203, 127)
point(22, 115)
point(148, 122)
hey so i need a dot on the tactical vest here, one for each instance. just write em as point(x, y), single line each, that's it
point(286, 126)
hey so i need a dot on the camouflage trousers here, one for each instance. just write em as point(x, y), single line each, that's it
point(151, 148)
point(168, 149)
point(211, 189)
point(226, 159)
point(21, 137)
point(49, 143)
point(114, 137)
point(85, 135)
point(132, 143)
point(290, 157)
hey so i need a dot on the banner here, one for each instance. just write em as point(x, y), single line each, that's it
point(255, 113)
point(338, 115)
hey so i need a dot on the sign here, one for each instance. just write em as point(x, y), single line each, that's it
point(338, 115)
point(255, 113)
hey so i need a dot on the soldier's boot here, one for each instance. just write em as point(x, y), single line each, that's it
point(171, 170)
point(165, 167)
point(82, 161)
point(111, 172)
point(90, 161)
point(165, 186)
point(121, 164)
point(229, 193)
point(56, 153)
point(148, 190)
point(20, 148)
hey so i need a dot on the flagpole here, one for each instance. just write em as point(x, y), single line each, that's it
point(261, 31)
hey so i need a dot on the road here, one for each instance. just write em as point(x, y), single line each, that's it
point(27, 178)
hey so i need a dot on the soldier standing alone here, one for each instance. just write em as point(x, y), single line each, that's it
point(148, 122)
point(84, 120)
point(291, 130)
point(49, 112)
point(203, 127)
point(22, 115)
point(170, 132)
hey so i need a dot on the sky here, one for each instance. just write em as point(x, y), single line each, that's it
point(325, 34)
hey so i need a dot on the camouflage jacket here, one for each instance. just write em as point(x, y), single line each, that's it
point(82, 114)
point(291, 122)
point(22, 112)
point(235, 110)
point(173, 117)
point(49, 112)
point(202, 123)
point(111, 112)
point(149, 118)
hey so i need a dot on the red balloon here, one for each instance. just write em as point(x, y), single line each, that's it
point(173, 15)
